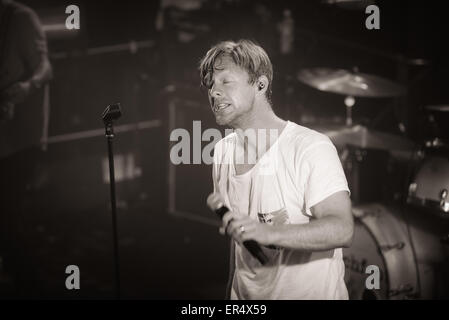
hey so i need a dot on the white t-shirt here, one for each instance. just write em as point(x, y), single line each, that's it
point(300, 169)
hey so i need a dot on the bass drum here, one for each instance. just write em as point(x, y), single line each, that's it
point(411, 260)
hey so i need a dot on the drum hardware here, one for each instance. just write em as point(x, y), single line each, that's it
point(373, 161)
point(363, 137)
point(412, 188)
point(362, 214)
point(366, 171)
point(360, 154)
point(438, 118)
point(349, 103)
point(411, 254)
point(442, 206)
point(351, 84)
point(388, 247)
point(404, 289)
point(435, 143)
point(430, 183)
point(406, 245)
point(443, 203)
point(357, 266)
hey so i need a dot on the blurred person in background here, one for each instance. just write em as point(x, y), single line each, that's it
point(24, 70)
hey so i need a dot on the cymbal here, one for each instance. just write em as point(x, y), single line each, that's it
point(350, 83)
point(442, 108)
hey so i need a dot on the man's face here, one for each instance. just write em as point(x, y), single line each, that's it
point(231, 96)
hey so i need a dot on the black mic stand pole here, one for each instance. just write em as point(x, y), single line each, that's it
point(111, 113)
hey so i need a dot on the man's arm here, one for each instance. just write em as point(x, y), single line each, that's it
point(332, 226)
point(43, 72)
point(19, 91)
point(33, 51)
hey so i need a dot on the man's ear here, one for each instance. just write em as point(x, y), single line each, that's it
point(262, 84)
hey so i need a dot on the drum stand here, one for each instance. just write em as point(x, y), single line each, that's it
point(349, 103)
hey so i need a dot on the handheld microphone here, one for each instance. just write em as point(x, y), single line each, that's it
point(252, 246)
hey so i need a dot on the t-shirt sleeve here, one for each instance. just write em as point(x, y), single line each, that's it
point(324, 174)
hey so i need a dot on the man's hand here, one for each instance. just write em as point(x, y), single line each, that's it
point(238, 226)
point(242, 228)
point(18, 92)
point(214, 201)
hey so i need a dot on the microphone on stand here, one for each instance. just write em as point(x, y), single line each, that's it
point(110, 114)
point(252, 246)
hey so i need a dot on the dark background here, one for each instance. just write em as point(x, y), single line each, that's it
point(172, 250)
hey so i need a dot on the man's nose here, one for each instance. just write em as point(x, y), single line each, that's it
point(215, 92)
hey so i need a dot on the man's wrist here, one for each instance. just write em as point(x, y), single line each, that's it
point(273, 235)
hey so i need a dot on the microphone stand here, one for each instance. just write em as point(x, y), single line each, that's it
point(111, 113)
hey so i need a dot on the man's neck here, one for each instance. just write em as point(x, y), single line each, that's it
point(261, 117)
point(262, 122)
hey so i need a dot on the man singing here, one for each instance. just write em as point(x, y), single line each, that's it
point(283, 184)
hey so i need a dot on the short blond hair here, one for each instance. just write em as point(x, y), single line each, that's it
point(244, 53)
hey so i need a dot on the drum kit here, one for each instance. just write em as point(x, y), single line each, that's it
point(399, 190)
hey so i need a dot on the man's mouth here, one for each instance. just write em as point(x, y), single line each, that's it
point(220, 106)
